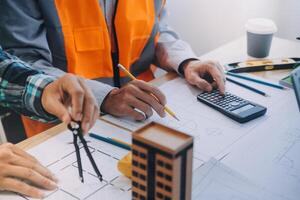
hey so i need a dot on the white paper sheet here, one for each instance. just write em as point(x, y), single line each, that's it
point(110, 193)
point(272, 155)
point(270, 142)
point(10, 196)
point(214, 133)
point(58, 154)
point(215, 181)
point(265, 150)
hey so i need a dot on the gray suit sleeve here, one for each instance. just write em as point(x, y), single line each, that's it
point(23, 34)
point(171, 51)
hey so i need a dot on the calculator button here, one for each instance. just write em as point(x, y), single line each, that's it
point(235, 103)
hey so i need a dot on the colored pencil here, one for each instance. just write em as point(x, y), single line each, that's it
point(255, 80)
point(114, 142)
point(247, 87)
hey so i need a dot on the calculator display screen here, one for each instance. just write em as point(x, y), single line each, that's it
point(242, 109)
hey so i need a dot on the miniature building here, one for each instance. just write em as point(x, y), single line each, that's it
point(161, 163)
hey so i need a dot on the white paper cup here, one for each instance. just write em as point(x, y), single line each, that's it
point(260, 33)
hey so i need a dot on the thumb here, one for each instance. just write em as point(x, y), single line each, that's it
point(60, 111)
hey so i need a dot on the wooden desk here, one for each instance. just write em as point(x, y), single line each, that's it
point(231, 52)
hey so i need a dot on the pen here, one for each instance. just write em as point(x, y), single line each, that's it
point(255, 80)
point(247, 87)
point(114, 142)
point(167, 109)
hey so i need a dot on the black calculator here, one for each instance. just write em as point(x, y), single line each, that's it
point(235, 107)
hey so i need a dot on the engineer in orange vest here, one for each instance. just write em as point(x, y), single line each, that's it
point(90, 37)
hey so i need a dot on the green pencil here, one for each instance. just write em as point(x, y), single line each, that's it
point(246, 86)
point(248, 78)
point(114, 142)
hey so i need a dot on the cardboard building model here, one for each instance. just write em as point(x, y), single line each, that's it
point(161, 163)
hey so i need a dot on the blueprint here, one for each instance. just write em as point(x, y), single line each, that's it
point(58, 155)
point(273, 158)
point(215, 181)
point(270, 144)
point(207, 125)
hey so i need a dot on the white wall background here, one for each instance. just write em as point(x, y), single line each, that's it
point(207, 24)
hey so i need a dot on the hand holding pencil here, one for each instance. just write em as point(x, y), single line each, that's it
point(137, 100)
point(166, 108)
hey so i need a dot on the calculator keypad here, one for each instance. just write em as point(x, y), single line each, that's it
point(227, 102)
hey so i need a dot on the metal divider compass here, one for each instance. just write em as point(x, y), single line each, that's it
point(75, 128)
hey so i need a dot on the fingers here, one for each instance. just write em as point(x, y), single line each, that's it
point(90, 108)
point(58, 109)
point(131, 112)
point(31, 175)
point(95, 116)
point(71, 91)
point(140, 105)
point(134, 97)
point(17, 165)
point(217, 77)
point(206, 75)
point(53, 101)
point(221, 69)
point(23, 154)
point(35, 166)
point(200, 83)
point(18, 186)
point(143, 93)
point(74, 89)
point(151, 90)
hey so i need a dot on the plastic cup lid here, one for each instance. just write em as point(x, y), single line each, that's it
point(261, 26)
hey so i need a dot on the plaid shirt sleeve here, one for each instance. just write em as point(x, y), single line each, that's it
point(21, 88)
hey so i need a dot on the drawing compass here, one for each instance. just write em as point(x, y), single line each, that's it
point(75, 128)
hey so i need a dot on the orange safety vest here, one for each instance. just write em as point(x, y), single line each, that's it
point(87, 41)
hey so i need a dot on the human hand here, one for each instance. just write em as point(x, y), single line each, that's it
point(19, 170)
point(136, 94)
point(206, 75)
point(71, 91)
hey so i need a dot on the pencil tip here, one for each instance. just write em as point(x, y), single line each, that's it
point(176, 118)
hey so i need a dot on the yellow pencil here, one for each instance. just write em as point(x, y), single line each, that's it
point(167, 109)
